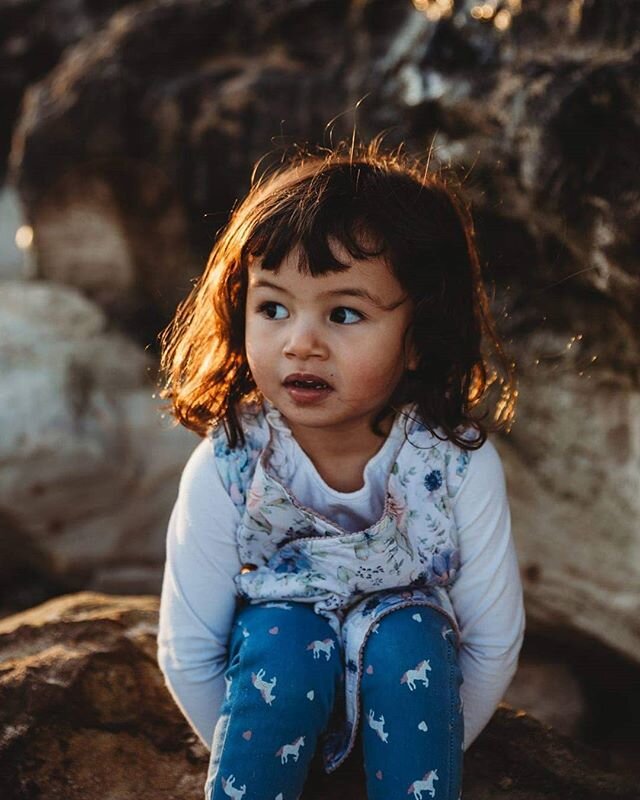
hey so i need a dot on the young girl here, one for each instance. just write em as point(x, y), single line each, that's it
point(339, 557)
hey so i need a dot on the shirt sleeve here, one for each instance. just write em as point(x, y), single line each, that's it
point(198, 597)
point(487, 595)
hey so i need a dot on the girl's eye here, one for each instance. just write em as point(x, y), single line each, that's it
point(346, 316)
point(273, 310)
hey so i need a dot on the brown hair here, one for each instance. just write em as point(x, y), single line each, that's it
point(355, 195)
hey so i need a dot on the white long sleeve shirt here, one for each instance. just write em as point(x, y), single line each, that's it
point(199, 595)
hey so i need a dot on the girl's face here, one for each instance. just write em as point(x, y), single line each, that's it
point(327, 351)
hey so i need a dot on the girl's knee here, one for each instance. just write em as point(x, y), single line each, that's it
point(410, 628)
point(412, 647)
point(287, 653)
point(286, 627)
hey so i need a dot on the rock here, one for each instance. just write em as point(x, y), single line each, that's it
point(88, 470)
point(132, 268)
point(84, 710)
point(584, 690)
point(33, 36)
point(130, 224)
point(574, 487)
point(549, 691)
point(15, 262)
point(503, 99)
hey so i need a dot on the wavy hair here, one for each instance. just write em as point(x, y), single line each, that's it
point(372, 202)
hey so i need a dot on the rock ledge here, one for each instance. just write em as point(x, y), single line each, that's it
point(84, 712)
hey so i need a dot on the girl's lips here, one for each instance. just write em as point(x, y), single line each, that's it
point(304, 377)
point(307, 394)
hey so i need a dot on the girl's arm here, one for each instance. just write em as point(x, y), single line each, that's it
point(198, 593)
point(487, 596)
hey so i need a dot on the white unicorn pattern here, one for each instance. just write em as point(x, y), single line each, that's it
point(425, 785)
point(264, 687)
point(378, 725)
point(325, 646)
point(227, 786)
point(291, 750)
point(417, 674)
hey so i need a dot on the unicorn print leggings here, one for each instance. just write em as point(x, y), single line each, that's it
point(284, 674)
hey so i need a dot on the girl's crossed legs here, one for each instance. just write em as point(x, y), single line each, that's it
point(284, 672)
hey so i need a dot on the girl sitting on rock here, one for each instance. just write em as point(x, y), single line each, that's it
point(339, 557)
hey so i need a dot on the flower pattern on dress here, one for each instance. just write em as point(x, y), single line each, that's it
point(433, 480)
point(445, 566)
point(462, 462)
point(236, 466)
point(289, 559)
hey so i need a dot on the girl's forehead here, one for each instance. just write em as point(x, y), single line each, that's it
point(295, 263)
point(372, 274)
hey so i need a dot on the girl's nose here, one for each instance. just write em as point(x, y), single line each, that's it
point(305, 341)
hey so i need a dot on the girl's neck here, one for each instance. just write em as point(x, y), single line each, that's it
point(340, 459)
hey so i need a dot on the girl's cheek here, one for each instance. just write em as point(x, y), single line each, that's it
point(379, 372)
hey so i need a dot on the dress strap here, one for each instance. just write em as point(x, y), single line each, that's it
point(236, 466)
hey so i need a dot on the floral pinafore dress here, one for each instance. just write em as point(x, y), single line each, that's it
point(409, 556)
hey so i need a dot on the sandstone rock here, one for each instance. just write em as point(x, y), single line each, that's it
point(84, 711)
point(33, 36)
point(194, 83)
point(550, 692)
point(14, 262)
point(551, 141)
point(135, 268)
point(88, 471)
point(574, 487)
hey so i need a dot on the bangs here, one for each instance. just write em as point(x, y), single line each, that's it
point(312, 215)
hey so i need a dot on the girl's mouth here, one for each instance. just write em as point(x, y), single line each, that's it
point(306, 389)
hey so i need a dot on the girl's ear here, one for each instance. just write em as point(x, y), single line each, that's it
point(412, 357)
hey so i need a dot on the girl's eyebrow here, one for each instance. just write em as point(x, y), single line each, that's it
point(261, 282)
point(372, 298)
point(348, 291)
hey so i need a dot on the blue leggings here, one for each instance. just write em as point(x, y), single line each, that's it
point(284, 674)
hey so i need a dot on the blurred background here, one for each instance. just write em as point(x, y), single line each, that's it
point(127, 132)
